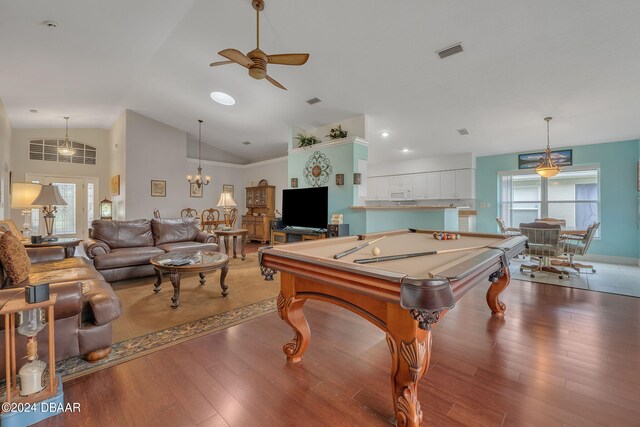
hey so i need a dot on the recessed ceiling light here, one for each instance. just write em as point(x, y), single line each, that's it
point(313, 101)
point(385, 134)
point(405, 150)
point(33, 110)
point(222, 98)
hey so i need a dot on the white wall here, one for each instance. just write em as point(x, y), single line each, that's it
point(356, 126)
point(274, 171)
point(428, 164)
point(5, 162)
point(210, 152)
point(21, 164)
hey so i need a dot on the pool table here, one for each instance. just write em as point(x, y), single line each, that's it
point(403, 297)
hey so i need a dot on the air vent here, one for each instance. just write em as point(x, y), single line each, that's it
point(313, 101)
point(452, 50)
point(246, 143)
point(463, 131)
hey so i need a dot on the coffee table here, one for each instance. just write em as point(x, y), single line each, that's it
point(229, 234)
point(68, 243)
point(201, 262)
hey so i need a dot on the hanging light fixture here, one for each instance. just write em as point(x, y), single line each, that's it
point(66, 149)
point(547, 168)
point(197, 180)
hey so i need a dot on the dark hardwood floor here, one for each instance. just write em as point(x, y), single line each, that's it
point(561, 356)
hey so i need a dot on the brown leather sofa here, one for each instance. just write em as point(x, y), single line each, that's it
point(122, 249)
point(84, 309)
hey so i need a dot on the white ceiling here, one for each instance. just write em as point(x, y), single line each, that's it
point(577, 60)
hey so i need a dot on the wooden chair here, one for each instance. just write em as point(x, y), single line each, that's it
point(233, 217)
point(544, 243)
point(210, 220)
point(579, 245)
point(156, 213)
point(506, 230)
point(189, 213)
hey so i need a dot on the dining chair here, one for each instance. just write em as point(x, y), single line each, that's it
point(544, 242)
point(579, 245)
point(156, 213)
point(233, 217)
point(502, 226)
point(560, 222)
point(189, 213)
point(210, 219)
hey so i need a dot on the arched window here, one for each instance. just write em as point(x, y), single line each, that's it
point(47, 149)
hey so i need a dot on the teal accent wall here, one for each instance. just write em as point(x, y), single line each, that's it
point(383, 220)
point(344, 159)
point(619, 203)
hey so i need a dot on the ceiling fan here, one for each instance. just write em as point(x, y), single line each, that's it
point(256, 61)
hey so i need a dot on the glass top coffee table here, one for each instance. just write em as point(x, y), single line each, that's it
point(201, 262)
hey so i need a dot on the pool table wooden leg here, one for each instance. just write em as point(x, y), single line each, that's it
point(290, 310)
point(496, 288)
point(410, 349)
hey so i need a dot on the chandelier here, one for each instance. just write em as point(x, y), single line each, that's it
point(197, 180)
point(66, 149)
point(547, 168)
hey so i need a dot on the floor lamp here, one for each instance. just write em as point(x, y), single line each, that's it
point(49, 198)
point(22, 196)
point(226, 202)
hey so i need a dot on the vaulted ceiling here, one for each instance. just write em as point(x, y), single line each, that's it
point(576, 60)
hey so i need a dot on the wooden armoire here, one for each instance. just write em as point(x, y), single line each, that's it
point(261, 204)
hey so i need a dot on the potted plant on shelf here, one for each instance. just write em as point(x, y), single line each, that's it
point(337, 133)
point(306, 141)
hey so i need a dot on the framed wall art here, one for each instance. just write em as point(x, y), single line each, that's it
point(227, 188)
point(115, 185)
point(195, 191)
point(158, 188)
point(532, 160)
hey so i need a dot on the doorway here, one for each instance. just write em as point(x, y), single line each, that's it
point(74, 218)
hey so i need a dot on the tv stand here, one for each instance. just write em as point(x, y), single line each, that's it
point(292, 234)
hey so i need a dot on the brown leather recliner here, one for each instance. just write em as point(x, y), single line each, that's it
point(122, 249)
point(84, 309)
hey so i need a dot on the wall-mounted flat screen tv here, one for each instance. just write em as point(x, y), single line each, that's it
point(305, 207)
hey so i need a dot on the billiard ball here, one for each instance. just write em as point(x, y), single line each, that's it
point(375, 251)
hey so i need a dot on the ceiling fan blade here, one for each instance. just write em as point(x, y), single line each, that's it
point(215, 64)
point(289, 58)
point(237, 57)
point(275, 83)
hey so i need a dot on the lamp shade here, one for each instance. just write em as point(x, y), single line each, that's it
point(49, 196)
point(23, 194)
point(226, 201)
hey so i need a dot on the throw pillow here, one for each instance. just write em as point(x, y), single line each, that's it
point(14, 258)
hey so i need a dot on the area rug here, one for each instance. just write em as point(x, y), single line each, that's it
point(608, 278)
point(148, 323)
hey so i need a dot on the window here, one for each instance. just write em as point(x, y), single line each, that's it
point(47, 149)
point(572, 195)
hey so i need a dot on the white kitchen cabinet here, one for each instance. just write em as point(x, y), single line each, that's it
point(419, 186)
point(448, 185)
point(432, 184)
point(464, 184)
point(378, 188)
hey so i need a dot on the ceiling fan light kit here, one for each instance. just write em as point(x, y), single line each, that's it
point(256, 61)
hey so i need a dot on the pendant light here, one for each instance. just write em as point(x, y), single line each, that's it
point(197, 180)
point(66, 149)
point(547, 168)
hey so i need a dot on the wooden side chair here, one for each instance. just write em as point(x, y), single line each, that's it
point(544, 243)
point(156, 213)
point(210, 219)
point(233, 217)
point(189, 213)
point(579, 245)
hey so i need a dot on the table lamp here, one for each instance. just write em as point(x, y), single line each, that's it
point(49, 198)
point(22, 196)
point(226, 202)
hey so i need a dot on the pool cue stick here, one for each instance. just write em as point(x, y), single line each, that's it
point(412, 255)
point(357, 248)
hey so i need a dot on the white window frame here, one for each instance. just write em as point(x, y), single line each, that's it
point(544, 191)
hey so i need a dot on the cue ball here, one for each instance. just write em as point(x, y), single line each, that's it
point(375, 251)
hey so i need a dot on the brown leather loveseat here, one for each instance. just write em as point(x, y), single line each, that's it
point(85, 305)
point(122, 249)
